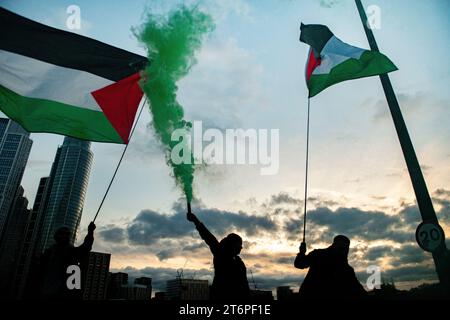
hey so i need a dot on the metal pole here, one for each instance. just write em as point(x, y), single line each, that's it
point(420, 188)
point(306, 172)
point(120, 161)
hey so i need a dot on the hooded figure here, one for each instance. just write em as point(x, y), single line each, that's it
point(329, 275)
point(52, 273)
point(230, 274)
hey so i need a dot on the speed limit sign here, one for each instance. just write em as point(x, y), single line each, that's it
point(429, 236)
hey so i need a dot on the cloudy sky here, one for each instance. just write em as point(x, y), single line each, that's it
point(249, 74)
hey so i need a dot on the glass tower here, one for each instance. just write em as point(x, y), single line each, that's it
point(69, 181)
point(15, 146)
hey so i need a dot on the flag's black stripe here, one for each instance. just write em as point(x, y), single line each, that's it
point(66, 49)
point(316, 35)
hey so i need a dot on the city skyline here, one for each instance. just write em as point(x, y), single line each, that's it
point(358, 179)
point(27, 232)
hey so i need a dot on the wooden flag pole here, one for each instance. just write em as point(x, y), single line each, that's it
point(440, 253)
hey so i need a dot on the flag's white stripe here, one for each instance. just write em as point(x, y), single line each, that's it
point(37, 79)
point(335, 52)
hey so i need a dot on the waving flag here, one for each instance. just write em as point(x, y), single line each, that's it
point(331, 61)
point(60, 82)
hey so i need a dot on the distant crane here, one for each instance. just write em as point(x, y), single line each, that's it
point(253, 280)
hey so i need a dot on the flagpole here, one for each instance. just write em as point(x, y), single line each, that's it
point(120, 161)
point(440, 255)
point(306, 172)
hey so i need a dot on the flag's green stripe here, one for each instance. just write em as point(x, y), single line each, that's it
point(40, 115)
point(369, 64)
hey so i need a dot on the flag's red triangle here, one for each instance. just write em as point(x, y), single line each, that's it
point(311, 64)
point(119, 102)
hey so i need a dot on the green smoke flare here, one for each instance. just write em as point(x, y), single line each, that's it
point(171, 42)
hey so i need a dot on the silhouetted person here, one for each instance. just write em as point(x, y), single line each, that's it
point(51, 274)
point(230, 274)
point(329, 274)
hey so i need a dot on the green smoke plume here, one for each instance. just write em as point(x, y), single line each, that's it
point(172, 41)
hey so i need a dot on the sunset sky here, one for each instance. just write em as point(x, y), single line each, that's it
point(250, 74)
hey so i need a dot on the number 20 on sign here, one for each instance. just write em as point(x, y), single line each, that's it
point(429, 236)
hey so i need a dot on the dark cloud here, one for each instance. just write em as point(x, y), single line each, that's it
point(293, 227)
point(112, 234)
point(323, 224)
point(194, 247)
point(411, 273)
point(286, 260)
point(149, 226)
point(377, 252)
point(442, 198)
point(322, 202)
point(406, 254)
point(166, 254)
point(222, 221)
point(410, 215)
point(410, 254)
point(353, 222)
point(282, 211)
point(284, 198)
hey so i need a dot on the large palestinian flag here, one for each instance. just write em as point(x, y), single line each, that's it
point(61, 82)
point(331, 61)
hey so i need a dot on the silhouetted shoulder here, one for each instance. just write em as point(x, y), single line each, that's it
point(318, 254)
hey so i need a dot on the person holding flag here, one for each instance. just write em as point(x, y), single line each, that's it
point(230, 274)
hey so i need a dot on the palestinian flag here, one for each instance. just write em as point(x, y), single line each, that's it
point(331, 61)
point(61, 82)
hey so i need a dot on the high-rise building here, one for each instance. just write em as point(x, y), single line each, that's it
point(27, 254)
point(31, 249)
point(139, 292)
point(285, 293)
point(187, 289)
point(15, 146)
point(67, 191)
point(146, 283)
point(261, 295)
point(116, 282)
point(119, 289)
point(96, 276)
point(11, 244)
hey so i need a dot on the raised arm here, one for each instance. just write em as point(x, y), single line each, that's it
point(302, 260)
point(205, 234)
point(86, 246)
